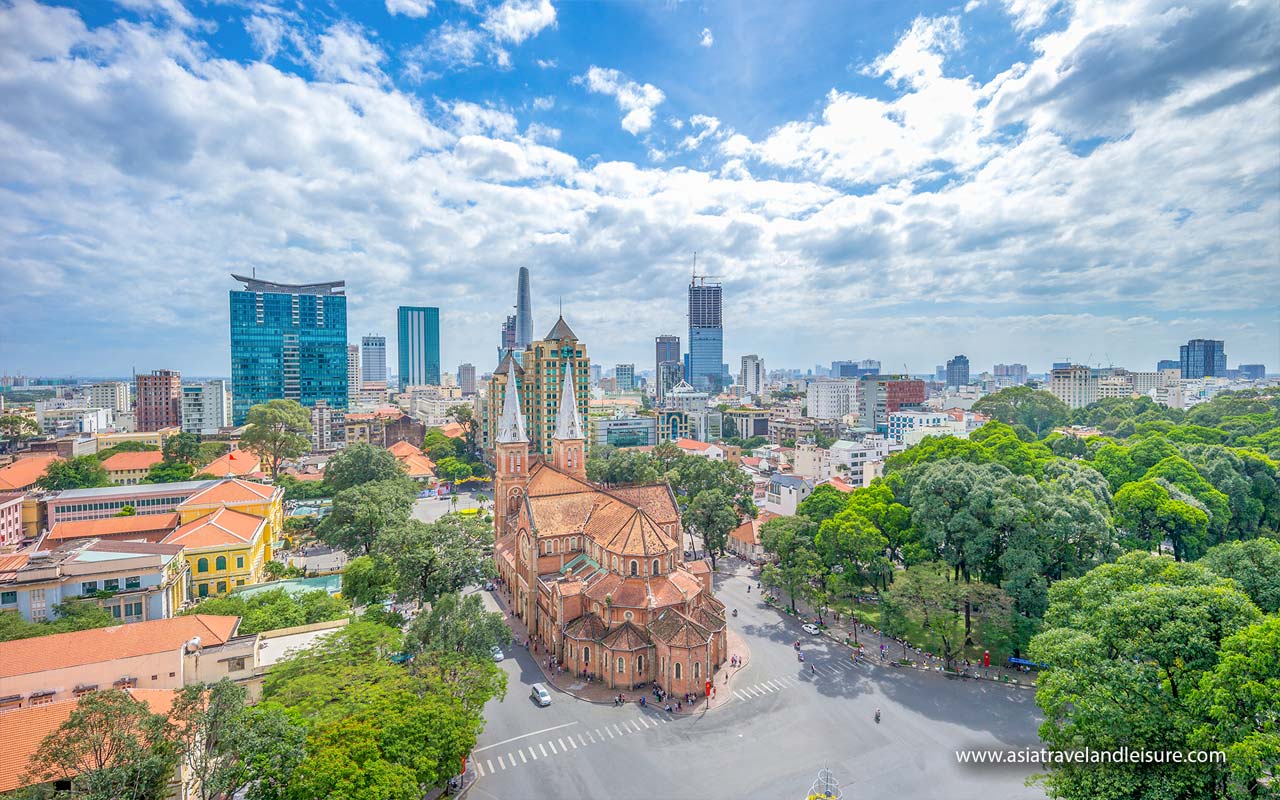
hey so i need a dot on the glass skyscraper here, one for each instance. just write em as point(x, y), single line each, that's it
point(705, 360)
point(373, 360)
point(1203, 358)
point(418, 350)
point(288, 341)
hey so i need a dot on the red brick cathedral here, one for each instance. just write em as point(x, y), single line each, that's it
point(597, 574)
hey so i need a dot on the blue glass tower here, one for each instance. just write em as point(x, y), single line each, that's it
point(1203, 358)
point(705, 363)
point(419, 346)
point(287, 341)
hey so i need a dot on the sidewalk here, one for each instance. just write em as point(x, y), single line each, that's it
point(593, 691)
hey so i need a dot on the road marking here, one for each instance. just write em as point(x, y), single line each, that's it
point(523, 736)
point(512, 759)
point(767, 688)
point(635, 725)
point(562, 747)
point(606, 730)
point(572, 742)
point(778, 684)
point(479, 768)
point(593, 738)
point(620, 731)
point(523, 760)
point(501, 763)
point(739, 695)
point(532, 754)
point(543, 749)
point(552, 745)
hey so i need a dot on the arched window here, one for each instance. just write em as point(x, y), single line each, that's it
point(622, 665)
point(586, 655)
point(202, 565)
point(697, 670)
point(677, 670)
point(635, 568)
point(640, 664)
point(220, 563)
point(654, 571)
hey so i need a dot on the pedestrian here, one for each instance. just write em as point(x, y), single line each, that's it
point(812, 671)
point(713, 693)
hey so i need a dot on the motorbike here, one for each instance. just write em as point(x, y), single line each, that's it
point(877, 716)
point(797, 645)
point(800, 656)
point(735, 612)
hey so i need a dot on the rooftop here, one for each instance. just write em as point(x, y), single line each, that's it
point(64, 650)
point(24, 472)
point(129, 461)
point(140, 524)
point(226, 526)
point(178, 487)
point(253, 284)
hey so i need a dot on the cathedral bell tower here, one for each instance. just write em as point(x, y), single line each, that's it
point(568, 445)
point(511, 457)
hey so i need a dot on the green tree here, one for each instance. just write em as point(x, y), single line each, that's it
point(81, 472)
point(947, 610)
point(712, 516)
point(434, 559)
point(610, 465)
point(791, 541)
point(274, 609)
point(112, 747)
point(125, 447)
point(1178, 471)
point(1036, 409)
point(464, 416)
point(169, 472)
point(212, 451)
point(458, 625)
point(228, 749)
point(823, 503)
point(276, 431)
point(362, 512)
point(1148, 514)
point(452, 470)
point(367, 580)
point(126, 511)
point(1253, 565)
point(72, 615)
point(853, 545)
point(437, 446)
point(183, 448)
point(17, 428)
point(359, 464)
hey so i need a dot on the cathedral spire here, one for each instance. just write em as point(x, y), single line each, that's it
point(568, 421)
point(511, 427)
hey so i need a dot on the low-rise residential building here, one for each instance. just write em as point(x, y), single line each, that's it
point(812, 462)
point(786, 493)
point(831, 398)
point(707, 450)
point(65, 421)
point(22, 474)
point(783, 429)
point(744, 540)
point(748, 422)
point(146, 655)
point(900, 422)
point(859, 461)
point(130, 468)
point(133, 581)
point(416, 463)
point(382, 427)
point(11, 518)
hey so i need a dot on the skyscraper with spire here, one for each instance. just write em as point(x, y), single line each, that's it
point(524, 311)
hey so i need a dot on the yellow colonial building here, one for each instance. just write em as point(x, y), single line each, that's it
point(227, 531)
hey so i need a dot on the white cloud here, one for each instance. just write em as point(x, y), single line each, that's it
point(470, 118)
point(544, 103)
point(514, 21)
point(410, 8)
point(547, 63)
point(705, 39)
point(706, 126)
point(267, 33)
point(636, 100)
point(451, 46)
point(346, 54)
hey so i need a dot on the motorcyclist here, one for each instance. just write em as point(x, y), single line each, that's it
point(877, 715)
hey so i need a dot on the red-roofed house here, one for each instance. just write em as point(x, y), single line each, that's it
point(694, 447)
point(129, 468)
point(235, 464)
point(22, 474)
point(744, 540)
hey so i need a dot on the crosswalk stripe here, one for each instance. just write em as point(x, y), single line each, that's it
point(739, 695)
point(664, 720)
point(562, 747)
point(580, 739)
point(543, 749)
point(489, 764)
point(572, 742)
point(766, 687)
point(620, 731)
point(523, 760)
point(606, 730)
point(778, 684)
point(532, 754)
point(593, 738)
point(552, 745)
point(501, 763)
point(480, 769)
point(636, 725)
point(512, 759)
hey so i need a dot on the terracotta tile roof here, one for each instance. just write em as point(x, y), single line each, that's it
point(626, 637)
point(453, 430)
point(677, 630)
point(23, 473)
point(546, 480)
point(608, 583)
point(63, 650)
point(226, 526)
point(686, 582)
point(840, 484)
point(152, 527)
point(692, 444)
point(708, 619)
point(237, 462)
point(587, 626)
point(417, 465)
point(697, 567)
point(637, 536)
point(663, 593)
point(128, 461)
point(28, 727)
point(749, 530)
point(402, 448)
point(654, 499)
point(232, 491)
point(13, 562)
point(561, 514)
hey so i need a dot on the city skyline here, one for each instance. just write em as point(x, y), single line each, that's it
point(1034, 214)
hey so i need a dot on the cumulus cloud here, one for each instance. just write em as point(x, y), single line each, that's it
point(410, 8)
point(636, 100)
point(978, 221)
point(705, 39)
point(705, 125)
point(514, 21)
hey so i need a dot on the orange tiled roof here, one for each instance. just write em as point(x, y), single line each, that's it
point(626, 637)
point(678, 630)
point(692, 444)
point(23, 473)
point(402, 449)
point(141, 524)
point(63, 650)
point(29, 727)
point(13, 562)
point(129, 461)
point(232, 491)
point(654, 499)
point(418, 466)
point(226, 526)
point(453, 430)
point(235, 463)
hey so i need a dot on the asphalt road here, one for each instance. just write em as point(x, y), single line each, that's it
point(785, 723)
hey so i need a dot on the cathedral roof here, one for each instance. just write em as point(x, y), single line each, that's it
point(654, 499)
point(637, 536)
point(511, 428)
point(568, 422)
point(587, 626)
point(560, 331)
point(509, 365)
point(626, 637)
point(677, 630)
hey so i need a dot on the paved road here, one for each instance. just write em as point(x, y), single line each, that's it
point(785, 723)
point(432, 509)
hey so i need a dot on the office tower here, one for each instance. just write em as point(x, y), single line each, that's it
point(113, 395)
point(1016, 373)
point(507, 338)
point(854, 369)
point(540, 376)
point(373, 361)
point(1203, 358)
point(831, 399)
point(706, 335)
point(881, 395)
point(751, 375)
point(958, 371)
point(353, 370)
point(670, 373)
point(1253, 372)
point(418, 346)
point(625, 374)
point(206, 407)
point(159, 398)
point(666, 351)
point(287, 341)
point(1075, 384)
point(524, 312)
point(467, 378)
point(596, 373)
point(1168, 363)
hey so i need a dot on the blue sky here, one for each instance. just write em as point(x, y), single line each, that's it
point(1018, 180)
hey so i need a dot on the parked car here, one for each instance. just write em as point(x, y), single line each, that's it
point(496, 652)
point(540, 695)
point(488, 586)
point(811, 629)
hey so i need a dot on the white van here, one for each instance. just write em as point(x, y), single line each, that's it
point(540, 695)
